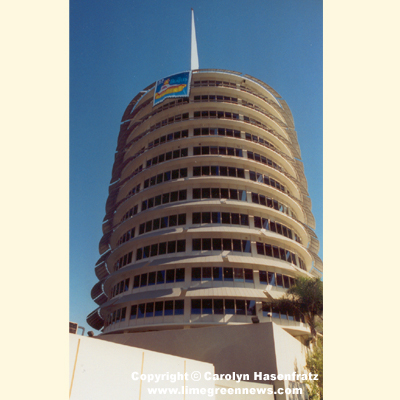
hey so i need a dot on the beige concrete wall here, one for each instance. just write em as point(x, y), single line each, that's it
point(245, 349)
point(103, 370)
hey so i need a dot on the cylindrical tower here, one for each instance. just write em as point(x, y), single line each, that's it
point(208, 214)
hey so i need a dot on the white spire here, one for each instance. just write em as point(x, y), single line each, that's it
point(194, 58)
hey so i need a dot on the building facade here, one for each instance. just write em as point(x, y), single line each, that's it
point(208, 215)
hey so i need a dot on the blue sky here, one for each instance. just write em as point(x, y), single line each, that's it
point(119, 48)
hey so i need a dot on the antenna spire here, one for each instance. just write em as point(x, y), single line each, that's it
point(194, 57)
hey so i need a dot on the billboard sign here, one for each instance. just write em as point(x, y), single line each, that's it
point(177, 85)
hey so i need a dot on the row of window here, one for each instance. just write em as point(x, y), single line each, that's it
point(216, 170)
point(268, 250)
point(229, 274)
point(234, 86)
point(218, 244)
point(200, 307)
point(259, 158)
point(120, 287)
point(214, 83)
point(166, 176)
point(270, 311)
point(153, 309)
point(127, 236)
point(258, 139)
point(223, 306)
point(223, 151)
point(165, 198)
point(203, 274)
point(275, 279)
point(163, 222)
point(168, 138)
point(124, 260)
point(134, 191)
point(159, 277)
point(213, 97)
point(130, 213)
point(167, 156)
point(271, 203)
point(210, 218)
point(257, 177)
point(264, 223)
point(219, 274)
point(220, 218)
point(170, 120)
point(217, 131)
point(157, 309)
point(209, 244)
point(215, 114)
point(219, 193)
point(157, 249)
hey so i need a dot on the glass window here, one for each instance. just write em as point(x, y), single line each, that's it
point(149, 310)
point(227, 244)
point(240, 307)
point(205, 193)
point(170, 273)
point(279, 280)
point(216, 217)
point(206, 305)
point(181, 219)
point(248, 275)
point(226, 218)
point(196, 193)
point(160, 277)
point(271, 278)
point(143, 280)
point(162, 248)
point(238, 273)
point(196, 171)
point(286, 281)
point(172, 247)
point(205, 170)
point(141, 309)
point(263, 277)
point(180, 275)
point(152, 278)
point(165, 198)
point(196, 244)
point(235, 219)
point(206, 273)
point(217, 274)
point(173, 219)
point(169, 307)
point(179, 307)
point(224, 194)
point(156, 224)
point(257, 224)
point(136, 281)
point(206, 217)
point(228, 274)
point(229, 306)
point(218, 306)
point(196, 274)
point(158, 308)
point(196, 306)
point(206, 244)
point(133, 311)
point(196, 218)
point(251, 307)
point(217, 244)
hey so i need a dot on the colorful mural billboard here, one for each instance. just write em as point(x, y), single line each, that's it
point(177, 85)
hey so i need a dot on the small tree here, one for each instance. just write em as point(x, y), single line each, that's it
point(314, 364)
point(305, 297)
